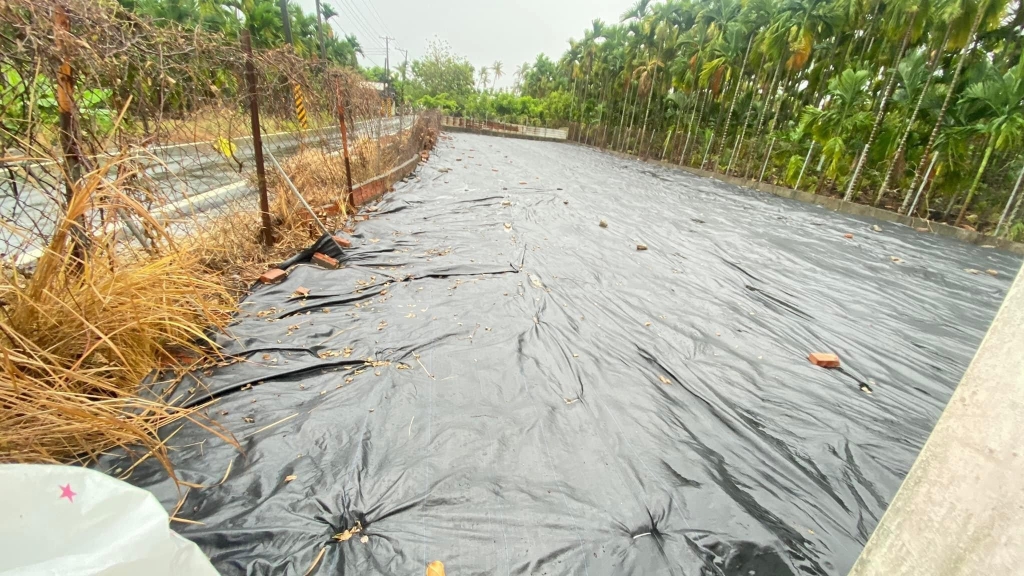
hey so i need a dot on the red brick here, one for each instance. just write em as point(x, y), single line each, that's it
point(325, 261)
point(343, 242)
point(273, 276)
point(824, 359)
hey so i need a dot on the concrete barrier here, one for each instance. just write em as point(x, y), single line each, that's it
point(960, 511)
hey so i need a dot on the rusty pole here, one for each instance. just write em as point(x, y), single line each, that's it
point(344, 141)
point(68, 127)
point(266, 236)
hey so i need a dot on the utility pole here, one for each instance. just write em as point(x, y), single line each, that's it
point(320, 32)
point(286, 21)
point(405, 67)
point(387, 61)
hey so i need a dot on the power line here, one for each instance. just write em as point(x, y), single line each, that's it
point(376, 15)
point(360, 21)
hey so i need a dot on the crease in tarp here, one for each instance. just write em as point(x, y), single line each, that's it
point(605, 412)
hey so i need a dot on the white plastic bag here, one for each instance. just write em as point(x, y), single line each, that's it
point(70, 521)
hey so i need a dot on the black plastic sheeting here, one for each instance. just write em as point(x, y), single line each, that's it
point(543, 398)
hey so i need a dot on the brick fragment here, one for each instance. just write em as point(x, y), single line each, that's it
point(325, 261)
point(342, 241)
point(824, 359)
point(273, 276)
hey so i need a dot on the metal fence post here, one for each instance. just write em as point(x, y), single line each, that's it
point(68, 129)
point(266, 236)
point(344, 142)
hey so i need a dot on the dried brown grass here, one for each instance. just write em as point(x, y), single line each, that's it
point(79, 334)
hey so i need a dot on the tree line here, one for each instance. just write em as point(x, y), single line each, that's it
point(907, 104)
point(263, 18)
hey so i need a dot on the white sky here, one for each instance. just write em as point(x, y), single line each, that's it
point(513, 31)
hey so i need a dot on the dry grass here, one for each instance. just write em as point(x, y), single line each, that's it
point(79, 335)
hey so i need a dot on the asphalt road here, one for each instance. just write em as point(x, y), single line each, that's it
point(28, 218)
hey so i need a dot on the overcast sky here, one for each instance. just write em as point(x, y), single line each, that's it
point(512, 31)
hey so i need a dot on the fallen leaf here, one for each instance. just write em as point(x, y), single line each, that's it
point(290, 478)
point(972, 271)
point(896, 259)
point(603, 223)
point(364, 539)
point(664, 380)
point(876, 228)
point(991, 272)
point(641, 247)
point(348, 534)
point(249, 420)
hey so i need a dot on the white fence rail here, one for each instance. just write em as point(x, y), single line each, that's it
point(503, 127)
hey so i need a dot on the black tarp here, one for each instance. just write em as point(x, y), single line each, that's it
point(542, 398)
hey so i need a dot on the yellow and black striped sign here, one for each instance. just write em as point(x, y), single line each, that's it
point(300, 107)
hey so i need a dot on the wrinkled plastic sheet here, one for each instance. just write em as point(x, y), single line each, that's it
point(495, 381)
point(77, 522)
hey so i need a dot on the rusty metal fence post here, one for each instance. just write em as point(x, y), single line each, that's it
point(266, 235)
point(68, 130)
point(344, 141)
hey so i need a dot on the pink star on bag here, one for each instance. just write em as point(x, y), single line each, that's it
point(67, 492)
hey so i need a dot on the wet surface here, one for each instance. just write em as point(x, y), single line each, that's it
point(543, 398)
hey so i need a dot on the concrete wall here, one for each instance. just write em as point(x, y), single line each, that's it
point(960, 511)
point(500, 134)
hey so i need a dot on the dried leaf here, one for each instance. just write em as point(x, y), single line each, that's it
point(364, 539)
point(664, 380)
point(348, 534)
point(290, 477)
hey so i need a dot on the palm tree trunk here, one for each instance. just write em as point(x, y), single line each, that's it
point(586, 93)
point(572, 105)
point(689, 126)
point(622, 120)
point(737, 148)
point(768, 96)
point(898, 156)
point(700, 116)
point(852, 192)
point(736, 94)
point(977, 180)
point(1009, 203)
point(650, 96)
point(949, 93)
point(714, 129)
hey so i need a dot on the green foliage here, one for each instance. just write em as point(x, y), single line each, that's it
point(441, 72)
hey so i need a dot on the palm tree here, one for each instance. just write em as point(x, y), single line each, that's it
point(1002, 98)
point(498, 72)
point(955, 13)
point(483, 77)
point(521, 71)
point(847, 114)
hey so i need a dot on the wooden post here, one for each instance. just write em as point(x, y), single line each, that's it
point(344, 142)
point(266, 235)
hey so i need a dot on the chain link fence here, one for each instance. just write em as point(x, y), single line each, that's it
point(172, 136)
